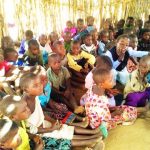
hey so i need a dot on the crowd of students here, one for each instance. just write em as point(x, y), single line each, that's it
point(39, 107)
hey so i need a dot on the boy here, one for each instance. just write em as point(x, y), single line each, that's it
point(67, 40)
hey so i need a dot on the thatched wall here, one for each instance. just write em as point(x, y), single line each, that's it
point(47, 15)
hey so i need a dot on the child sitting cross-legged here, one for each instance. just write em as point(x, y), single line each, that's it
point(17, 110)
point(63, 137)
point(59, 76)
point(97, 106)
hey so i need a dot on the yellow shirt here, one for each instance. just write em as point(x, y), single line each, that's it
point(72, 60)
point(25, 140)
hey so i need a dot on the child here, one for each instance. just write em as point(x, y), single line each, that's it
point(31, 85)
point(70, 28)
point(59, 76)
point(44, 47)
point(67, 40)
point(129, 23)
point(96, 103)
point(44, 43)
point(59, 49)
point(12, 136)
point(90, 23)
point(24, 43)
point(76, 56)
point(33, 56)
point(136, 91)
point(144, 42)
point(104, 39)
point(53, 37)
point(80, 25)
point(88, 45)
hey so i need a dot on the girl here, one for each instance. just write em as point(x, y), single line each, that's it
point(136, 91)
point(38, 123)
point(96, 103)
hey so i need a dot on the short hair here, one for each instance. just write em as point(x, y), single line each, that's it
point(57, 43)
point(80, 20)
point(29, 33)
point(90, 17)
point(146, 60)
point(33, 42)
point(9, 51)
point(7, 42)
point(132, 36)
point(100, 74)
point(27, 79)
point(74, 42)
point(104, 62)
point(52, 56)
point(123, 36)
point(144, 31)
point(8, 105)
point(86, 35)
point(130, 18)
point(6, 127)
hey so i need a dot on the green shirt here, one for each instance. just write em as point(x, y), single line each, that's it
point(60, 79)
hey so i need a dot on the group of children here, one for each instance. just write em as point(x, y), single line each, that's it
point(40, 84)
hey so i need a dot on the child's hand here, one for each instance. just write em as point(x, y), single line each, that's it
point(39, 145)
point(57, 125)
point(112, 91)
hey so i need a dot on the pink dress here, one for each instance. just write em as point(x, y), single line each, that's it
point(73, 31)
point(97, 110)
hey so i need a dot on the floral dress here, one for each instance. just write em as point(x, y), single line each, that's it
point(98, 111)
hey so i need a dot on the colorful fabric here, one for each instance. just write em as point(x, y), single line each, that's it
point(90, 49)
point(60, 79)
point(97, 110)
point(56, 144)
point(4, 67)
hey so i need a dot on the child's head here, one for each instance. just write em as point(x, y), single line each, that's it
point(146, 35)
point(10, 55)
point(41, 72)
point(90, 21)
point(133, 41)
point(67, 36)
point(69, 24)
point(80, 23)
point(120, 24)
point(122, 43)
point(28, 35)
point(9, 136)
point(53, 37)
point(34, 47)
point(144, 65)
point(15, 108)
point(59, 48)
point(75, 47)
point(147, 25)
point(139, 23)
point(54, 62)
point(103, 62)
point(104, 36)
point(43, 39)
point(106, 25)
point(31, 84)
point(111, 35)
point(103, 78)
point(87, 40)
point(130, 21)
point(94, 34)
point(7, 42)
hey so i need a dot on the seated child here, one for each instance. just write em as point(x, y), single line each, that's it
point(90, 23)
point(44, 48)
point(12, 136)
point(59, 76)
point(136, 92)
point(88, 45)
point(103, 41)
point(97, 106)
point(70, 28)
point(59, 49)
point(40, 123)
point(76, 56)
point(67, 41)
point(43, 41)
point(144, 42)
point(24, 43)
point(53, 37)
point(33, 56)
point(80, 25)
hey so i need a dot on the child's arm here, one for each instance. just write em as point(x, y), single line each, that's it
point(72, 64)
